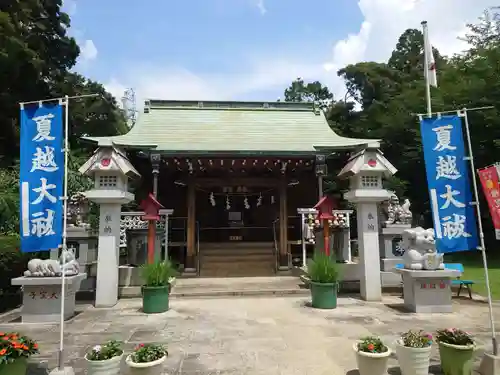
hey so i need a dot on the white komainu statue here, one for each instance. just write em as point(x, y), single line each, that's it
point(420, 250)
point(50, 267)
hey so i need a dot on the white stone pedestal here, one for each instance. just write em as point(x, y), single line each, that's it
point(390, 254)
point(42, 297)
point(427, 291)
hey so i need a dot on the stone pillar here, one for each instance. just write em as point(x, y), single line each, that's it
point(110, 169)
point(369, 254)
point(365, 170)
point(108, 255)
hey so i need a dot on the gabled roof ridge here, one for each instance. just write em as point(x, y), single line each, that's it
point(228, 105)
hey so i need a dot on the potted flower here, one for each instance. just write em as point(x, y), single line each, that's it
point(104, 359)
point(147, 359)
point(413, 350)
point(456, 349)
point(324, 277)
point(372, 356)
point(157, 278)
point(15, 350)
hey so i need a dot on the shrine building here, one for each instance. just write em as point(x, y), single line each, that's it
point(233, 175)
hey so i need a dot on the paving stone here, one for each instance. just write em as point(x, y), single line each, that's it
point(250, 335)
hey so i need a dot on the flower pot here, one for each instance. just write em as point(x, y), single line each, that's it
point(371, 363)
point(456, 359)
point(148, 368)
point(18, 367)
point(105, 367)
point(155, 299)
point(413, 361)
point(323, 295)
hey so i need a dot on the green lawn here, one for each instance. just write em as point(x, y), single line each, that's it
point(473, 265)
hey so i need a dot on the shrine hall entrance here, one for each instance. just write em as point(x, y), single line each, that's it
point(237, 231)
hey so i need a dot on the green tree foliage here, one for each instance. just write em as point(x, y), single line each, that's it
point(383, 99)
point(36, 55)
point(310, 92)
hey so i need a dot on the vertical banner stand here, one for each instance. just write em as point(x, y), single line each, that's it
point(494, 343)
point(61, 370)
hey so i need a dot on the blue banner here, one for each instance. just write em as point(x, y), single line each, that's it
point(449, 187)
point(41, 177)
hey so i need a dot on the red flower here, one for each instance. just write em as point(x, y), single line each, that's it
point(371, 347)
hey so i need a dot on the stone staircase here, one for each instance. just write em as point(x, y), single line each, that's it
point(237, 259)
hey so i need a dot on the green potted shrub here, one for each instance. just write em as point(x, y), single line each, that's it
point(324, 275)
point(456, 349)
point(104, 359)
point(15, 350)
point(146, 359)
point(157, 278)
point(413, 350)
point(372, 356)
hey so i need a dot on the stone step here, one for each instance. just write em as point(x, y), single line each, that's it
point(236, 245)
point(236, 252)
point(235, 265)
point(236, 272)
point(235, 258)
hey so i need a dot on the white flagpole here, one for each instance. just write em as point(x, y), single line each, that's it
point(480, 229)
point(65, 233)
point(426, 70)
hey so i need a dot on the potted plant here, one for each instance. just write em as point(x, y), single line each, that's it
point(324, 276)
point(104, 359)
point(413, 350)
point(372, 356)
point(456, 349)
point(15, 350)
point(147, 359)
point(157, 278)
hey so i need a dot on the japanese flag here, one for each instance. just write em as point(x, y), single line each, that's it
point(430, 63)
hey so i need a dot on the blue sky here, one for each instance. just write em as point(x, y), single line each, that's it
point(243, 49)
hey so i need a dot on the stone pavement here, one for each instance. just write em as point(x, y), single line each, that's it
point(249, 335)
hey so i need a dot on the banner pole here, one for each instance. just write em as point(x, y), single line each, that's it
point(65, 234)
point(481, 234)
point(426, 71)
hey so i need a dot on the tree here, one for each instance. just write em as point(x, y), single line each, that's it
point(311, 92)
point(35, 51)
point(95, 116)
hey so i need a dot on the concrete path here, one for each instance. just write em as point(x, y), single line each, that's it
point(250, 335)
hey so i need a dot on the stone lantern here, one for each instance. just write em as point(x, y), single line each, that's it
point(151, 208)
point(365, 171)
point(111, 170)
point(325, 214)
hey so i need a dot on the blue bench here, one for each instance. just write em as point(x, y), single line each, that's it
point(458, 281)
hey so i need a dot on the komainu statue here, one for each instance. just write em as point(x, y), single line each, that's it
point(67, 263)
point(420, 250)
point(395, 213)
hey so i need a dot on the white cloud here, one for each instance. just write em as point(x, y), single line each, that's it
point(384, 21)
point(261, 6)
point(88, 50)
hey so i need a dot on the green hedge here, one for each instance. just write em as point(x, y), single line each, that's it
point(13, 263)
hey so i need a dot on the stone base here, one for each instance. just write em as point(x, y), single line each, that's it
point(129, 276)
point(42, 297)
point(490, 364)
point(427, 291)
point(64, 371)
point(388, 264)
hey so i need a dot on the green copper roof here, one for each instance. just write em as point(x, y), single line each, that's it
point(232, 127)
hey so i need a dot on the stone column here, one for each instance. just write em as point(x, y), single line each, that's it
point(369, 252)
point(108, 255)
